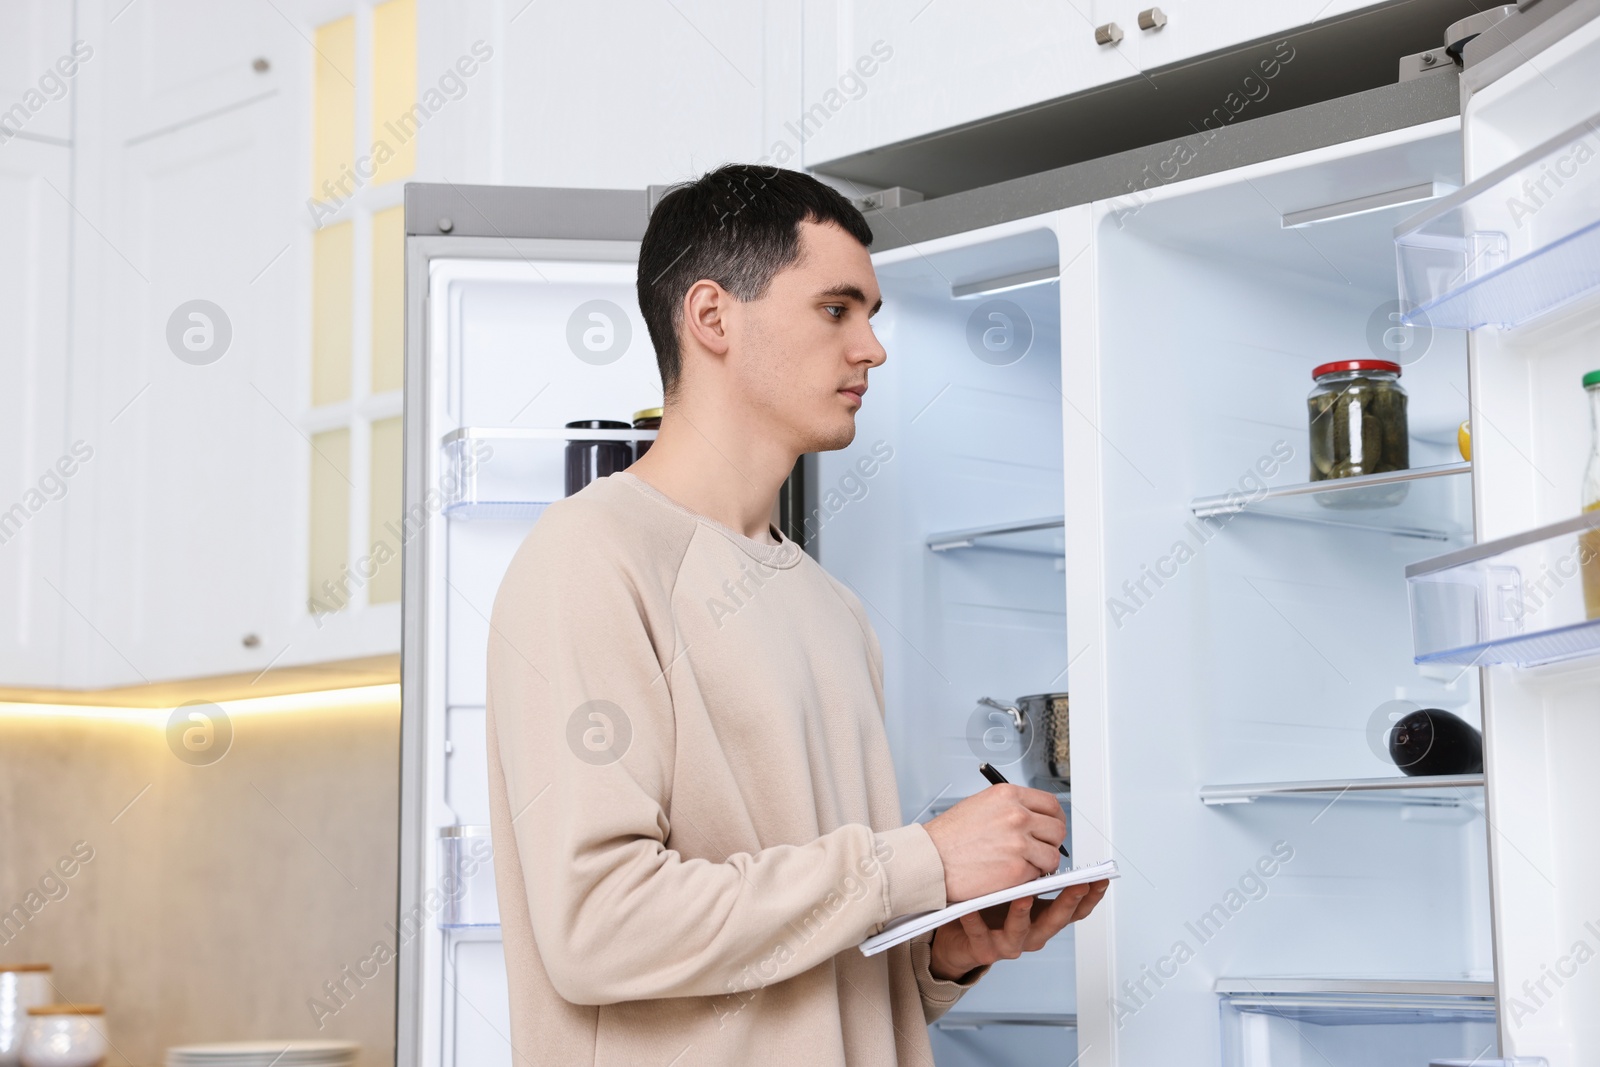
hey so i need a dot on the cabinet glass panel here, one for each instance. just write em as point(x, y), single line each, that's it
point(331, 263)
point(383, 517)
point(394, 90)
point(330, 520)
point(388, 295)
point(333, 105)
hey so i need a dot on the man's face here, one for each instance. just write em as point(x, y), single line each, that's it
point(802, 351)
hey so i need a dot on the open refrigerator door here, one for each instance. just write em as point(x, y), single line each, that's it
point(521, 318)
point(1514, 259)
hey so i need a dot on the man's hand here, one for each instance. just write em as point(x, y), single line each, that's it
point(969, 942)
point(1001, 837)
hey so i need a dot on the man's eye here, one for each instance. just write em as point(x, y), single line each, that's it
point(834, 310)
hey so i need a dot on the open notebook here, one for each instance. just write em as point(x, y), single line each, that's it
point(908, 926)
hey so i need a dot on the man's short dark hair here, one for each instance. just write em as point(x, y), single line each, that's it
point(737, 226)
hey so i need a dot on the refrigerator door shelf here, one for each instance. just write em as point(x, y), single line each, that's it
point(1428, 503)
point(1345, 1023)
point(1525, 600)
point(1519, 242)
point(466, 879)
point(511, 474)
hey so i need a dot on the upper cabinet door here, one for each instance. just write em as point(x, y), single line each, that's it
point(39, 61)
point(1195, 27)
point(885, 72)
point(40, 477)
point(196, 349)
point(177, 60)
point(881, 72)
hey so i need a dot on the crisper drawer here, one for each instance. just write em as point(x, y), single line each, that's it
point(1346, 1023)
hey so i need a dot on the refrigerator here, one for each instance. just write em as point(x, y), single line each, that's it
point(1084, 470)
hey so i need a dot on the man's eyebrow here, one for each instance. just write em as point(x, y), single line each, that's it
point(852, 292)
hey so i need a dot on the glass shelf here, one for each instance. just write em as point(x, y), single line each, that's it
point(1035, 537)
point(977, 1020)
point(512, 473)
point(1520, 600)
point(1521, 241)
point(1439, 790)
point(1354, 1022)
point(1430, 503)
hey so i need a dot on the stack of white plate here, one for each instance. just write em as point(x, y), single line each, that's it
point(265, 1054)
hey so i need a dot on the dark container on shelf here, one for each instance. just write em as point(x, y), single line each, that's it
point(1433, 741)
point(648, 419)
point(588, 460)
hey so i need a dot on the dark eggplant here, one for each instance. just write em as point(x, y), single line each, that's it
point(1433, 741)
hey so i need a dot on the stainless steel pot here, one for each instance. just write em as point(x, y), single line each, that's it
point(1042, 720)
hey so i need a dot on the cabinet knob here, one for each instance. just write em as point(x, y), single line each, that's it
point(250, 641)
point(1152, 18)
point(1110, 33)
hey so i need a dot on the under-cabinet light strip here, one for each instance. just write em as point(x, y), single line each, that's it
point(369, 697)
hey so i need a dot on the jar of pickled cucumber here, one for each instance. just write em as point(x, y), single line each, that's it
point(1358, 419)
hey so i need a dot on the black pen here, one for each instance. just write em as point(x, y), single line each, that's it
point(996, 778)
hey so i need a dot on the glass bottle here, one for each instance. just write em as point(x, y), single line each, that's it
point(1589, 541)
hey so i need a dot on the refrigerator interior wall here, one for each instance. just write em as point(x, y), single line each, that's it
point(501, 358)
point(1252, 649)
point(974, 427)
point(1543, 725)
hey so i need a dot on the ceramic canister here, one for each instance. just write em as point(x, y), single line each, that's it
point(22, 986)
point(65, 1035)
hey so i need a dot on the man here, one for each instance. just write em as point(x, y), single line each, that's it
point(695, 816)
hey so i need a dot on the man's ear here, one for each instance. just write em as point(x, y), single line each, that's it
point(705, 315)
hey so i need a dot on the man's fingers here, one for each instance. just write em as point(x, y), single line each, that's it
point(1053, 918)
point(1043, 856)
point(1043, 803)
point(1090, 899)
point(1051, 831)
point(1018, 918)
point(977, 932)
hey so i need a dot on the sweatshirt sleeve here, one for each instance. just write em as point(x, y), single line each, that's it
point(939, 995)
point(581, 648)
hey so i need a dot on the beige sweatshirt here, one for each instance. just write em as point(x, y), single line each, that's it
point(694, 810)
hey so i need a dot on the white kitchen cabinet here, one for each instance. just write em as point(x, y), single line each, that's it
point(182, 550)
point(36, 94)
point(190, 553)
point(176, 61)
point(194, 524)
point(936, 66)
point(34, 495)
point(879, 73)
point(1196, 27)
point(685, 88)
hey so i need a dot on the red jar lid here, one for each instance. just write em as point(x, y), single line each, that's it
point(1355, 364)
